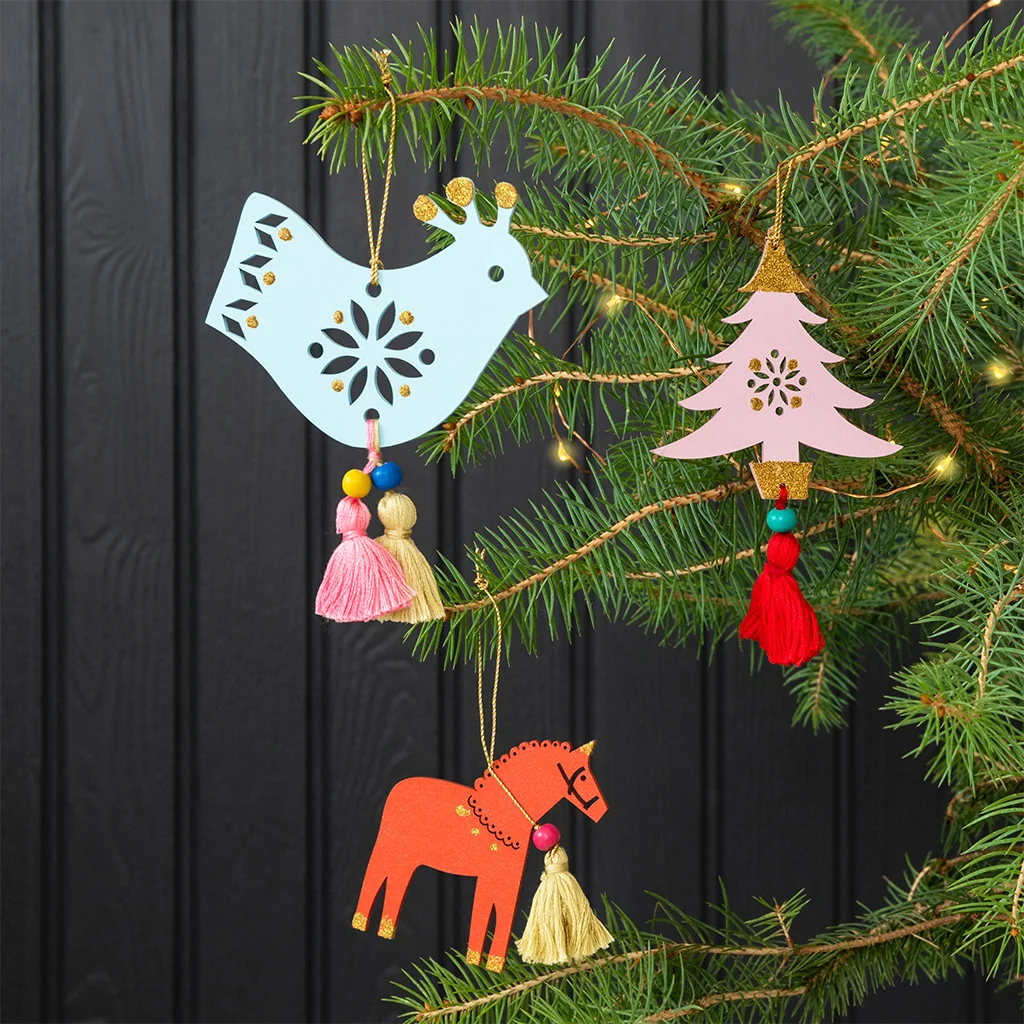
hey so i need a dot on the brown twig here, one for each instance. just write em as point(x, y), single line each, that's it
point(1015, 905)
point(909, 106)
point(702, 1003)
point(811, 531)
point(971, 241)
point(943, 864)
point(990, 627)
point(638, 241)
point(965, 794)
point(696, 949)
point(539, 379)
point(719, 493)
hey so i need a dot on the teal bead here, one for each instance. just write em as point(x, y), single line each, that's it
point(781, 520)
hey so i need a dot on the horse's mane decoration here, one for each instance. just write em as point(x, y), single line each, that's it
point(478, 831)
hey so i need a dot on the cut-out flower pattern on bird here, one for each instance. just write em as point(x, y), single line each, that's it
point(778, 386)
point(376, 355)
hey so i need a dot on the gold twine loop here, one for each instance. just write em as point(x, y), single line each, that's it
point(381, 57)
point(488, 748)
point(781, 184)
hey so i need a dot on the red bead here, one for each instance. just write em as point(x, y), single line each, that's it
point(546, 836)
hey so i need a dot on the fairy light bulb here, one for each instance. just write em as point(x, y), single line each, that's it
point(612, 305)
point(999, 373)
point(946, 466)
point(563, 453)
point(733, 187)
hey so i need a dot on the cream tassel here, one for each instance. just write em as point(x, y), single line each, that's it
point(397, 514)
point(562, 927)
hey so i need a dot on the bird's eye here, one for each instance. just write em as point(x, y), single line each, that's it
point(496, 273)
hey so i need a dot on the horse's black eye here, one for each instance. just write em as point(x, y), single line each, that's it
point(583, 778)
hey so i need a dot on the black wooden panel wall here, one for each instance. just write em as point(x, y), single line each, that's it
point(193, 766)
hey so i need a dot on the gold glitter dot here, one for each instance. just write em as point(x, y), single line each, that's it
point(796, 401)
point(424, 208)
point(754, 364)
point(406, 317)
point(269, 277)
point(459, 191)
point(494, 846)
point(251, 321)
point(337, 385)
point(792, 364)
point(462, 811)
point(339, 317)
point(506, 195)
point(405, 390)
point(756, 404)
point(475, 831)
point(284, 234)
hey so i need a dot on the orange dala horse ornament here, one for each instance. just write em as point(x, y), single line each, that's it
point(485, 831)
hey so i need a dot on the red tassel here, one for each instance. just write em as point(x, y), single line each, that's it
point(779, 618)
point(362, 581)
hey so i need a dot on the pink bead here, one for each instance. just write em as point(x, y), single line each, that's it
point(546, 836)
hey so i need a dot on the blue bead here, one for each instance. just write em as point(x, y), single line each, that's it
point(780, 520)
point(388, 476)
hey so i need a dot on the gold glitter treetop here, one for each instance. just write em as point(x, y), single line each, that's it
point(775, 273)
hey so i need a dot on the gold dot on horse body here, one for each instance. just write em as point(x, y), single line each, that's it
point(424, 208)
point(269, 277)
point(405, 391)
point(494, 847)
point(339, 317)
point(337, 385)
point(284, 234)
point(459, 191)
point(251, 321)
point(406, 317)
point(506, 195)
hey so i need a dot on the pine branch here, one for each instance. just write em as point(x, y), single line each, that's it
point(719, 493)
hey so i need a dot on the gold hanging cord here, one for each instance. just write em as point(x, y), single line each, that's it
point(781, 184)
point(381, 57)
point(488, 748)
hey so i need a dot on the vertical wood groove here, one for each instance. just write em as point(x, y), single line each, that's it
point(52, 556)
point(186, 781)
point(318, 922)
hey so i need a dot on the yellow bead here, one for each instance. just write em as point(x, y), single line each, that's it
point(356, 484)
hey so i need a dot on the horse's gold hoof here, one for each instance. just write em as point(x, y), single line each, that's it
point(496, 964)
point(387, 928)
point(473, 956)
point(359, 922)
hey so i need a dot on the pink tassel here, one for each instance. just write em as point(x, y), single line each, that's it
point(362, 581)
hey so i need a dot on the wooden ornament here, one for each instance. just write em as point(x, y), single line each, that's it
point(477, 831)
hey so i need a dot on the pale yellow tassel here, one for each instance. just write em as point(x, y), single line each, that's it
point(397, 514)
point(562, 927)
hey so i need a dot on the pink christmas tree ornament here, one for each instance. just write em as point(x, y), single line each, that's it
point(776, 390)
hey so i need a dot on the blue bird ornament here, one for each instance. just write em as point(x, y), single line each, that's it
point(404, 352)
